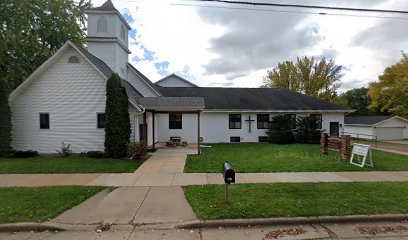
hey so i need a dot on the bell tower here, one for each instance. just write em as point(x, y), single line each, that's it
point(107, 37)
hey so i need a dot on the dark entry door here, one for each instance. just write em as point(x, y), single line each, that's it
point(334, 129)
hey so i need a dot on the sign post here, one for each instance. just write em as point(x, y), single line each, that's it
point(361, 150)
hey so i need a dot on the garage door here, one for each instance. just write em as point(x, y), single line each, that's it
point(389, 133)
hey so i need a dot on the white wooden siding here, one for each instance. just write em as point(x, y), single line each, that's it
point(215, 127)
point(137, 82)
point(72, 94)
point(187, 133)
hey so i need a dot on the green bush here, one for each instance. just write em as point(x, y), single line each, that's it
point(5, 120)
point(95, 154)
point(280, 130)
point(307, 130)
point(65, 150)
point(23, 154)
point(117, 122)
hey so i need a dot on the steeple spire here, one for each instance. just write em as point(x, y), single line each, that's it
point(107, 37)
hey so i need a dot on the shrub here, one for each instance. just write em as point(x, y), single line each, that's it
point(280, 130)
point(137, 150)
point(117, 122)
point(95, 154)
point(307, 130)
point(23, 154)
point(5, 120)
point(65, 150)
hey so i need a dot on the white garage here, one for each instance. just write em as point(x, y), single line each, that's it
point(380, 127)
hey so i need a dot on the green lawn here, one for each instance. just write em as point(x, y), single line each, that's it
point(74, 164)
point(40, 204)
point(248, 158)
point(297, 199)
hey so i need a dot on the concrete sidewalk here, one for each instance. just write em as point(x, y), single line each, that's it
point(185, 179)
point(131, 205)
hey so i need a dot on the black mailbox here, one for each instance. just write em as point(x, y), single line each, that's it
point(228, 173)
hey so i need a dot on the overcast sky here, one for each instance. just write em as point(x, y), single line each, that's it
point(230, 47)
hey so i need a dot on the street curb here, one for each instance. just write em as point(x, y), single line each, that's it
point(294, 221)
point(28, 226)
point(54, 226)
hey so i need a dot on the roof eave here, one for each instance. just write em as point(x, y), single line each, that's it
point(173, 109)
point(358, 125)
point(276, 111)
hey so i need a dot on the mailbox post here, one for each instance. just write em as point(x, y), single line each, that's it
point(229, 177)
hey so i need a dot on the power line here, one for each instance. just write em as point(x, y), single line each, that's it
point(289, 11)
point(306, 6)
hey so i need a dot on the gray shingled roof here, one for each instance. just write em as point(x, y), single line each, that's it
point(107, 6)
point(253, 99)
point(107, 72)
point(171, 102)
point(101, 65)
point(177, 76)
point(365, 120)
point(151, 84)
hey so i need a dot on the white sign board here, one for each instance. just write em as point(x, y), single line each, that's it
point(361, 150)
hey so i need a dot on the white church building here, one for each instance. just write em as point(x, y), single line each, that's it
point(64, 99)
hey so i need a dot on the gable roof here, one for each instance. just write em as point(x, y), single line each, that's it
point(95, 62)
point(254, 99)
point(98, 63)
point(145, 79)
point(177, 76)
point(369, 120)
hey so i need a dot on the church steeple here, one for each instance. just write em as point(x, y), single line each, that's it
point(107, 37)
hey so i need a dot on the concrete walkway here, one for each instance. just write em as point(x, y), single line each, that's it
point(185, 179)
point(131, 205)
point(166, 160)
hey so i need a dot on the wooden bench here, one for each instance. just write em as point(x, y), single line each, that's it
point(176, 140)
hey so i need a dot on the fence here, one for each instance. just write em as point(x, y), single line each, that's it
point(356, 136)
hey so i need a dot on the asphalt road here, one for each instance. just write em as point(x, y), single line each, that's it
point(379, 230)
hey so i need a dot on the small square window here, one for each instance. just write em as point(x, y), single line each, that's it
point(235, 139)
point(175, 121)
point(101, 120)
point(235, 121)
point(44, 121)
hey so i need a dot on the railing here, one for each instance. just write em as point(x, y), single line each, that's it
point(357, 136)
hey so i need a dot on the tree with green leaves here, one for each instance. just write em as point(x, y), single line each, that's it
point(5, 120)
point(316, 78)
point(308, 129)
point(359, 100)
point(390, 93)
point(117, 122)
point(33, 30)
point(280, 130)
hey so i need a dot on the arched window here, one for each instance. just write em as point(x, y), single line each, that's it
point(102, 25)
point(73, 59)
point(123, 33)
